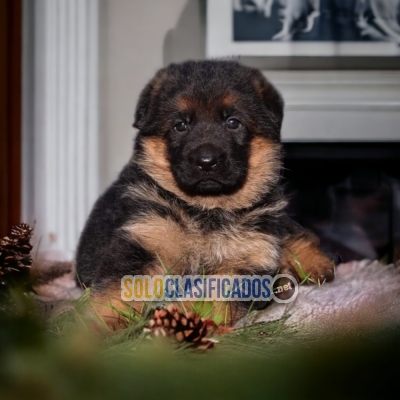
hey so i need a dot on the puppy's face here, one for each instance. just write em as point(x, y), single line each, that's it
point(202, 124)
point(208, 143)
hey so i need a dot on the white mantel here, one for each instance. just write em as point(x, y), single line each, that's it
point(339, 105)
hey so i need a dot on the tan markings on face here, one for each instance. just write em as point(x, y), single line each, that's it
point(190, 250)
point(229, 100)
point(190, 103)
point(263, 171)
point(184, 103)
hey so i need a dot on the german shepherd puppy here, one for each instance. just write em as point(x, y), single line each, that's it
point(200, 192)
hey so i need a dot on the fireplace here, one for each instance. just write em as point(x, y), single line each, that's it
point(348, 194)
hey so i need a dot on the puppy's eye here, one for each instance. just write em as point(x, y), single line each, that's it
point(233, 123)
point(181, 127)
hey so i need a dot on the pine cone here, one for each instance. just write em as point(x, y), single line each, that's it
point(188, 328)
point(15, 258)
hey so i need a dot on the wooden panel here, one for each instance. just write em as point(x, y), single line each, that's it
point(10, 113)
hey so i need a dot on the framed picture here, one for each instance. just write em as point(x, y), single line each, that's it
point(303, 28)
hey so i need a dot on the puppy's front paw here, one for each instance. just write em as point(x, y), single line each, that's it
point(304, 260)
point(323, 270)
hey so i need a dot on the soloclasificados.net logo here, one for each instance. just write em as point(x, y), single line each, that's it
point(282, 288)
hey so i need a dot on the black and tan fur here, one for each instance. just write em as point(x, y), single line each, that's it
point(201, 186)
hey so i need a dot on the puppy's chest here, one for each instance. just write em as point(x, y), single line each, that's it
point(185, 246)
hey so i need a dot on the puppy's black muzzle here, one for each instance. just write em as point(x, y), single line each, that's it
point(207, 166)
point(207, 157)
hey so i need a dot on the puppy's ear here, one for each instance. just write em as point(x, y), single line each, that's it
point(271, 97)
point(143, 107)
point(146, 99)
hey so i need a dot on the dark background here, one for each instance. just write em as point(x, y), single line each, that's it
point(348, 194)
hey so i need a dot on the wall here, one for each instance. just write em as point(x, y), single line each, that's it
point(136, 39)
point(326, 103)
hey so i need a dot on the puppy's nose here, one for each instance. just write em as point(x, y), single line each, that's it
point(206, 162)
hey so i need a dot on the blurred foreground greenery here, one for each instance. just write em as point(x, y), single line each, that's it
point(74, 358)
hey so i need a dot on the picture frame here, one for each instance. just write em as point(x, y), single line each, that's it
point(221, 31)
